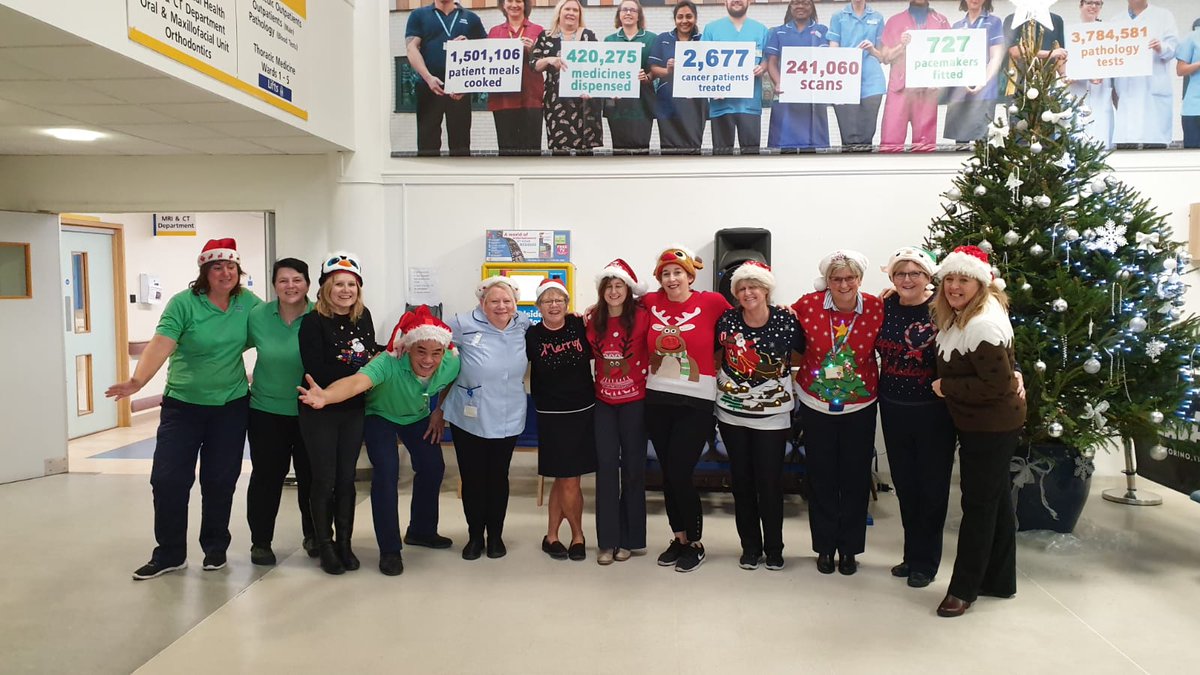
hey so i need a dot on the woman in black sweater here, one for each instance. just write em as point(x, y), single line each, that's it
point(335, 341)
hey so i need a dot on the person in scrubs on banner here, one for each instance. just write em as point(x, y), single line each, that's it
point(1095, 94)
point(1187, 65)
point(1145, 105)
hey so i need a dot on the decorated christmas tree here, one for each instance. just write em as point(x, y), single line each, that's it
point(1093, 274)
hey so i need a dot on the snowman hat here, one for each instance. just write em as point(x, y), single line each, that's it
point(340, 261)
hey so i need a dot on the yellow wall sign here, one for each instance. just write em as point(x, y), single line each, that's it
point(174, 224)
point(254, 46)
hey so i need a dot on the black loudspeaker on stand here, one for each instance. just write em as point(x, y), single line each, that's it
point(735, 246)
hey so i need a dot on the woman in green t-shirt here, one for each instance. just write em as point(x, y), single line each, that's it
point(204, 408)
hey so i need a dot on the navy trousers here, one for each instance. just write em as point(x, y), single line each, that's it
point(428, 469)
point(838, 452)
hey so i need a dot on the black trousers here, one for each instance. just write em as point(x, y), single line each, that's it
point(756, 466)
point(857, 121)
point(334, 439)
point(920, 442)
point(679, 433)
point(431, 108)
point(986, 563)
point(483, 467)
point(747, 127)
point(621, 475)
point(215, 435)
point(275, 444)
point(838, 452)
point(682, 131)
point(518, 131)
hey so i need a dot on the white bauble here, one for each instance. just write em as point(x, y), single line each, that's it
point(1011, 237)
point(980, 190)
point(1039, 366)
point(1071, 234)
point(1036, 250)
point(1158, 453)
point(1048, 115)
point(1042, 201)
point(1059, 305)
point(1156, 417)
point(1035, 148)
point(1091, 366)
point(1169, 264)
point(986, 246)
point(1032, 93)
point(953, 194)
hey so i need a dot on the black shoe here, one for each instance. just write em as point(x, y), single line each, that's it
point(428, 540)
point(154, 569)
point(346, 555)
point(775, 561)
point(330, 562)
point(473, 549)
point(261, 554)
point(391, 564)
point(919, 580)
point(671, 556)
point(825, 563)
point(311, 548)
point(847, 565)
point(555, 550)
point(495, 547)
point(214, 560)
point(901, 570)
point(691, 558)
point(749, 561)
point(577, 552)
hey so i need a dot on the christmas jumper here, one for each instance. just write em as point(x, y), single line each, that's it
point(560, 377)
point(976, 365)
point(754, 386)
point(621, 359)
point(333, 347)
point(907, 352)
point(838, 372)
point(681, 342)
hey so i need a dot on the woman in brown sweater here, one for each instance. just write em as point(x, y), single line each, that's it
point(976, 371)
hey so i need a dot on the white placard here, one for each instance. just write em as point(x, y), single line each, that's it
point(600, 69)
point(1110, 49)
point(423, 286)
point(715, 69)
point(820, 75)
point(476, 66)
point(946, 58)
point(174, 224)
point(271, 44)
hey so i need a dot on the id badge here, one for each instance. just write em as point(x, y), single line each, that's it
point(470, 411)
point(834, 372)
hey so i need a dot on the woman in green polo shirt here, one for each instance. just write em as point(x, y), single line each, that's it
point(205, 404)
point(274, 429)
point(630, 120)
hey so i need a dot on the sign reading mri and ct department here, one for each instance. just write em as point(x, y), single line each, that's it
point(174, 224)
point(946, 58)
point(255, 46)
point(1096, 50)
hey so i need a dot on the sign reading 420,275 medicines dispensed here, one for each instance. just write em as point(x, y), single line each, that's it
point(600, 69)
point(946, 58)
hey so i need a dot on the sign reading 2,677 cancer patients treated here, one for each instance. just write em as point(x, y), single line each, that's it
point(600, 69)
point(946, 58)
point(715, 69)
point(254, 46)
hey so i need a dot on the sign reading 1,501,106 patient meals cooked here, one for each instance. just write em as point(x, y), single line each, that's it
point(255, 46)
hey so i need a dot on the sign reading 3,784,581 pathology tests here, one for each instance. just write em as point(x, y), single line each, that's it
point(600, 69)
point(946, 58)
point(715, 69)
point(1109, 49)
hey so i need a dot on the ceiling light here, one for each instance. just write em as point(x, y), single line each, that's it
point(69, 134)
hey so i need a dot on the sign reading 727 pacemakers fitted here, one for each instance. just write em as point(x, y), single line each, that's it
point(1110, 49)
point(600, 69)
point(820, 75)
point(715, 69)
point(488, 65)
point(946, 58)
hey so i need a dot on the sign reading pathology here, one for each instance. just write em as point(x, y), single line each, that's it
point(255, 46)
point(600, 69)
point(1110, 49)
point(946, 58)
point(475, 66)
point(715, 69)
point(820, 75)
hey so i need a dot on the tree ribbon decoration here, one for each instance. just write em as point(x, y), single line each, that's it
point(1095, 414)
point(1146, 241)
point(1028, 472)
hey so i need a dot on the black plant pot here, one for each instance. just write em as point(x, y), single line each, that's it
point(1054, 491)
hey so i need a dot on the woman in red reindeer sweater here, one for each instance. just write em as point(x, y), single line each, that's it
point(681, 388)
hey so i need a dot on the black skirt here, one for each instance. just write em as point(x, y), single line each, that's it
point(567, 443)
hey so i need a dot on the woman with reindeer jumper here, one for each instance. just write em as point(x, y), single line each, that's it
point(680, 389)
point(754, 409)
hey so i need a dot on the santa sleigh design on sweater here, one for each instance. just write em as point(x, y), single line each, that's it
point(669, 343)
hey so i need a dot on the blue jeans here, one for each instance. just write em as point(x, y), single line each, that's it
point(215, 435)
point(428, 467)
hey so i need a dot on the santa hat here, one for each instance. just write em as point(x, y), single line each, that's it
point(340, 261)
point(219, 249)
point(551, 284)
point(678, 255)
point(970, 261)
point(619, 269)
point(417, 325)
point(487, 283)
point(753, 270)
point(923, 259)
point(838, 257)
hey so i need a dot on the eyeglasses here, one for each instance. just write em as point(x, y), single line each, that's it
point(907, 275)
point(843, 280)
point(628, 10)
point(554, 301)
point(1093, 3)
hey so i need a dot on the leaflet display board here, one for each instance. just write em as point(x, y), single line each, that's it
point(526, 277)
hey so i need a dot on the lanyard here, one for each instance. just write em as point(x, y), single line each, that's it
point(511, 34)
point(448, 28)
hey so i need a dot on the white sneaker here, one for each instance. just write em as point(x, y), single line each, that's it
point(604, 556)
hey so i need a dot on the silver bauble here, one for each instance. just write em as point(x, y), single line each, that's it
point(1042, 201)
point(1035, 148)
point(1137, 324)
point(1011, 237)
point(1091, 366)
point(1022, 125)
point(1169, 264)
point(1098, 185)
point(1158, 453)
point(1039, 366)
point(1054, 429)
point(980, 190)
point(1059, 305)
point(1032, 93)
point(1027, 201)
point(1037, 250)
point(985, 246)
point(1127, 217)
point(1048, 116)
point(1071, 234)
point(1012, 109)
point(952, 209)
point(1156, 417)
point(1124, 275)
point(953, 194)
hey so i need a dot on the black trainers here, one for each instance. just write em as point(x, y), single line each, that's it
point(749, 561)
point(154, 569)
point(671, 555)
point(775, 561)
point(310, 547)
point(691, 558)
point(428, 540)
point(391, 564)
point(261, 554)
point(214, 560)
point(902, 570)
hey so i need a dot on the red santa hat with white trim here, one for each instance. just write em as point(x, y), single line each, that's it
point(219, 249)
point(970, 261)
point(753, 270)
point(619, 269)
point(417, 325)
point(550, 283)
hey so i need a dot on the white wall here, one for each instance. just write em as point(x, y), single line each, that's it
point(34, 413)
